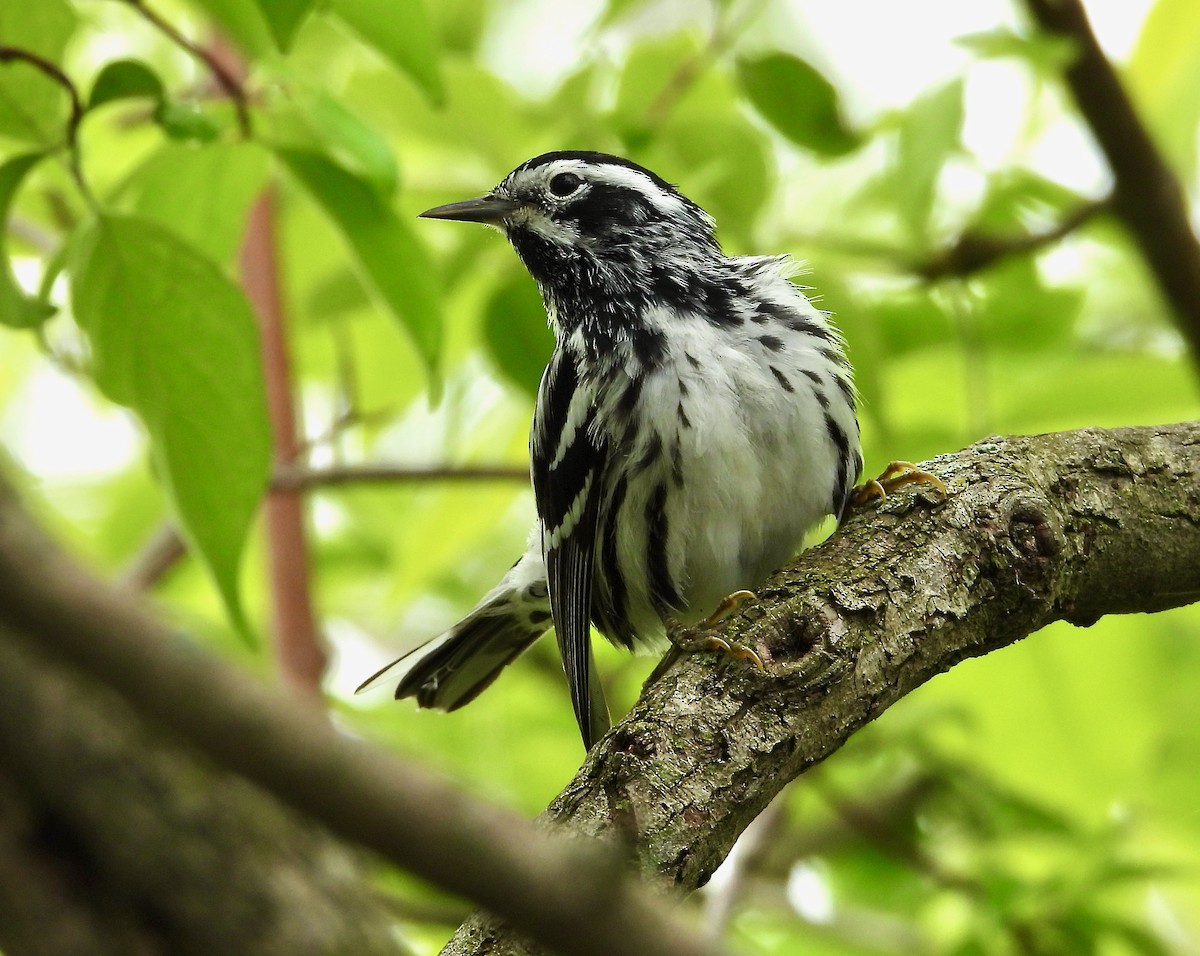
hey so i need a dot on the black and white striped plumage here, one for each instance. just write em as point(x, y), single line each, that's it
point(696, 419)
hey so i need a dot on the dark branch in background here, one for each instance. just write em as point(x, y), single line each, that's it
point(10, 54)
point(1147, 195)
point(1069, 526)
point(299, 649)
point(97, 806)
point(573, 895)
point(975, 251)
point(230, 84)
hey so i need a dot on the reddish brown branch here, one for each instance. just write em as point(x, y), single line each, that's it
point(298, 646)
point(1147, 195)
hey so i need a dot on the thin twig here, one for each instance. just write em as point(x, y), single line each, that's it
point(868, 823)
point(573, 895)
point(165, 548)
point(975, 251)
point(298, 477)
point(225, 78)
point(33, 233)
point(155, 558)
point(9, 54)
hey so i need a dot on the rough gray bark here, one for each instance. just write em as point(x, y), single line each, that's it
point(1068, 526)
point(115, 840)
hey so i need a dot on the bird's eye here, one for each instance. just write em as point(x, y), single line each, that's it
point(564, 184)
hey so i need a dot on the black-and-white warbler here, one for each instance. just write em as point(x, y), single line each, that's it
point(696, 419)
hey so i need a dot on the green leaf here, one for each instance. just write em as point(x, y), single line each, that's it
point(401, 33)
point(337, 294)
point(311, 119)
point(906, 320)
point(1014, 194)
point(284, 17)
point(16, 308)
point(1164, 77)
point(393, 264)
point(186, 122)
point(1046, 53)
point(516, 334)
point(1020, 312)
point(125, 79)
point(32, 106)
point(175, 340)
point(929, 134)
point(732, 183)
point(459, 25)
point(649, 70)
point(202, 193)
point(799, 102)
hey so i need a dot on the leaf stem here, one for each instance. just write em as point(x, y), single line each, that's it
point(10, 54)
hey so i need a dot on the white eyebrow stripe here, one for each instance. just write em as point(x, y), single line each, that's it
point(623, 176)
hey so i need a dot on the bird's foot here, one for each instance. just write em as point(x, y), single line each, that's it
point(695, 640)
point(894, 477)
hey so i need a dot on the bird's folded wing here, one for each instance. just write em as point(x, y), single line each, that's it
point(568, 458)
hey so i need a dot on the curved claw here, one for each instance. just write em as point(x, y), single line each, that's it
point(694, 640)
point(739, 652)
point(894, 477)
point(728, 605)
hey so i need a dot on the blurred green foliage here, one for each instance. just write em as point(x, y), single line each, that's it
point(1045, 799)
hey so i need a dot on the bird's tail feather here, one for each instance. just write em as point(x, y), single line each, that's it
point(455, 667)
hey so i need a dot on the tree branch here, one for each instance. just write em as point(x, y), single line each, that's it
point(1069, 526)
point(974, 251)
point(1147, 195)
point(165, 547)
point(299, 477)
point(572, 895)
point(113, 806)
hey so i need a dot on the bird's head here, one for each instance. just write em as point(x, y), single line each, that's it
point(587, 218)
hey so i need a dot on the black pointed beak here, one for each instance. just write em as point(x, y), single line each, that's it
point(489, 209)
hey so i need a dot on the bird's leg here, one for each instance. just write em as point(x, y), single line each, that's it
point(894, 477)
point(695, 639)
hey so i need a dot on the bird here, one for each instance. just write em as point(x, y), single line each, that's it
point(697, 417)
